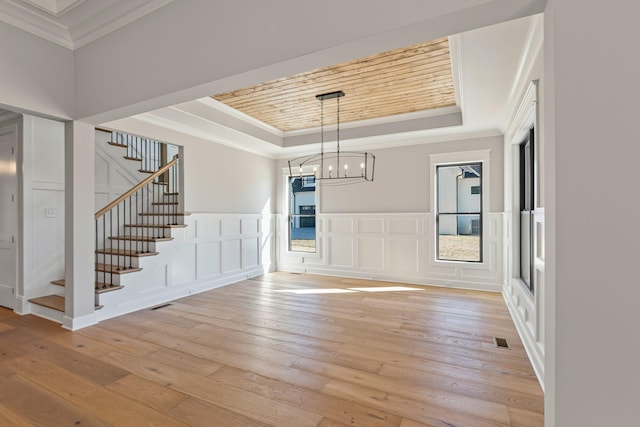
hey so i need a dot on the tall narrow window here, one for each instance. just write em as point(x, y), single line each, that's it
point(527, 206)
point(302, 214)
point(459, 212)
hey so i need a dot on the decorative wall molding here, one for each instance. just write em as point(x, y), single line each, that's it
point(213, 251)
point(525, 307)
point(391, 247)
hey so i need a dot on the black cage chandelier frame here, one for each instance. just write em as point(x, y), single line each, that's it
point(332, 167)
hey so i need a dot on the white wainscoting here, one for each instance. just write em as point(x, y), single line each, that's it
point(212, 251)
point(525, 308)
point(392, 247)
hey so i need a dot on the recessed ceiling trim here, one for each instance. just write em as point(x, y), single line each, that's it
point(51, 20)
point(56, 8)
point(408, 79)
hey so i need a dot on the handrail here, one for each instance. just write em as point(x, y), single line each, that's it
point(137, 187)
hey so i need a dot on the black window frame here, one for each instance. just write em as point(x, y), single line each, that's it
point(527, 185)
point(480, 214)
point(307, 182)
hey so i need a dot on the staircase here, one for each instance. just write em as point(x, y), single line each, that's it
point(133, 226)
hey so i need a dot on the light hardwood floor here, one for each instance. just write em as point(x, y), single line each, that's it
point(281, 350)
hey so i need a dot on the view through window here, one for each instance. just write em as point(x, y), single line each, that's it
point(459, 212)
point(302, 214)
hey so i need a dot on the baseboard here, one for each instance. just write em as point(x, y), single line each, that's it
point(183, 291)
point(454, 284)
point(73, 324)
point(533, 351)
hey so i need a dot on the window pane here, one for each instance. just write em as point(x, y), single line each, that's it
point(459, 238)
point(459, 212)
point(302, 214)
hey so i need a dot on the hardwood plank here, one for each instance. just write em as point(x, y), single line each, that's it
point(87, 367)
point(109, 406)
point(199, 413)
point(229, 397)
point(41, 407)
point(148, 393)
point(255, 354)
point(10, 418)
point(344, 411)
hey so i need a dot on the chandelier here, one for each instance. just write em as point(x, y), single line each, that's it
point(334, 167)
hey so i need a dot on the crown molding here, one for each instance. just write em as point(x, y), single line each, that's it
point(54, 21)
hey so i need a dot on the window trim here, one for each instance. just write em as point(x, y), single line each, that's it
point(461, 157)
point(286, 236)
point(480, 213)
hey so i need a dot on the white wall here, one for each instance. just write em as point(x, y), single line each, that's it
point(592, 131)
point(42, 186)
point(385, 229)
point(221, 179)
point(402, 180)
point(36, 75)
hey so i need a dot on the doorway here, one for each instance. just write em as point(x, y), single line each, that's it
point(9, 215)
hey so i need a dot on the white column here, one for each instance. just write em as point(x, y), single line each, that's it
point(79, 225)
point(592, 124)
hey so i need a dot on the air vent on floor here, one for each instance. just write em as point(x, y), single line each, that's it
point(296, 273)
point(158, 307)
point(501, 342)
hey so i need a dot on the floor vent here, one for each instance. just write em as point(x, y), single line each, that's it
point(501, 342)
point(158, 307)
point(296, 273)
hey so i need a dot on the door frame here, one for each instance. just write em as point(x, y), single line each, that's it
point(14, 126)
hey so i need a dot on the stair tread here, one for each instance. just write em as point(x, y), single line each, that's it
point(55, 302)
point(171, 194)
point(146, 171)
point(125, 252)
point(156, 225)
point(141, 238)
point(164, 203)
point(110, 268)
point(137, 159)
point(167, 214)
point(99, 286)
point(117, 144)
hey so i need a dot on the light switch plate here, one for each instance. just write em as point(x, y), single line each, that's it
point(49, 213)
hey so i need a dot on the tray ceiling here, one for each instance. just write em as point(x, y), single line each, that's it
point(406, 80)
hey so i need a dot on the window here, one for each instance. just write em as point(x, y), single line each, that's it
point(302, 214)
point(459, 212)
point(526, 209)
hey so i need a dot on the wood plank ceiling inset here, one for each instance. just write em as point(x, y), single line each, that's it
point(405, 80)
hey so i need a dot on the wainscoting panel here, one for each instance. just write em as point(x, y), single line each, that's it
point(371, 253)
point(370, 226)
point(209, 261)
point(231, 256)
point(212, 251)
point(394, 247)
point(525, 308)
point(340, 251)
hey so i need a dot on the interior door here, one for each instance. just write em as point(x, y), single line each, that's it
point(8, 215)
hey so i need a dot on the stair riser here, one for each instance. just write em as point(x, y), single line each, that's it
point(106, 278)
point(167, 209)
point(147, 231)
point(118, 260)
point(161, 219)
point(131, 245)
